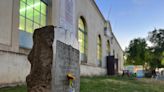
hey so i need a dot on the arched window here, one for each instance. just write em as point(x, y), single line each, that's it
point(32, 15)
point(108, 47)
point(82, 38)
point(99, 50)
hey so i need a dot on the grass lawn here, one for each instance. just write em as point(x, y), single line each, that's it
point(119, 84)
point(14, 89)
point(109, 84)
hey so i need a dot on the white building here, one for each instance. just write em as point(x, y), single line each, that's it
point(83, 20)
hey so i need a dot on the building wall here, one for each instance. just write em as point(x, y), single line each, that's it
point(8, 25)
point(95, 24)
point(95, 27)
point(14, 65)
point(86, 70)
point(13, 68)
point(118, 53)
point(5, 35)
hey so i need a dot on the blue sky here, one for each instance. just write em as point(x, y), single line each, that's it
point(132, 18)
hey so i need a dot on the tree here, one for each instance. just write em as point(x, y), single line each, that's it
point(153, 59)
point(156, 37)
point(137, 52)
point(162, 62)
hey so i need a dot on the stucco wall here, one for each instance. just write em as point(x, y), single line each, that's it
point(95, 24)
point(86, 70)
point(9, 10)
point(95, 27)
point(6, 21)
point(13, 68)
point(13, 61)
point(118, 53)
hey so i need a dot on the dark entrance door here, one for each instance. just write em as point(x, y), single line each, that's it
point(112, 65)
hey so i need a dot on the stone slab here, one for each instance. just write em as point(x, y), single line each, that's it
point(66, 61)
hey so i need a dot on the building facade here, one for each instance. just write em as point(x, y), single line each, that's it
point(80, 19)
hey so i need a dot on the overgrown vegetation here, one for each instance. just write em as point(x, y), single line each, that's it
point(139, 53)
point(110, 84)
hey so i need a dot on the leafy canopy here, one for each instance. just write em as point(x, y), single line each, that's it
point(137, 52)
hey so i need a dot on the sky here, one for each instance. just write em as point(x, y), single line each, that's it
point(132, 18)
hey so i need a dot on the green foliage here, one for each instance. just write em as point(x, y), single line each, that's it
point(137, 52)
point(156, 37)
point(162, 61)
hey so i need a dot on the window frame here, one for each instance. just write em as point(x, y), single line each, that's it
point(33, 21)
point(99, 50)
point(84, 46)
point(25, 37)
point(108, 50)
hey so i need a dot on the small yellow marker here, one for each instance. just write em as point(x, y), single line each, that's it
point(71, 78)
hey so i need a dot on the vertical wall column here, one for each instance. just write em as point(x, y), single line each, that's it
point(65, 47)
point(9, 10)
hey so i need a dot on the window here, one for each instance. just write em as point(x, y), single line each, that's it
point(113, 53)
point(99, 50)
point(82, 38)
point(32, 15)
point(108, 47)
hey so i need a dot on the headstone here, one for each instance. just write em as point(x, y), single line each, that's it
point(52, 72)
point(66, 61)
point(40, 57)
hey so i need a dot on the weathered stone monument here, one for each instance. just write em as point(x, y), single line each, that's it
point(40, 57)
point(49, 72)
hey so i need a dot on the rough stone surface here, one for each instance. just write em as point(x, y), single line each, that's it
point(40, 57)
point(66, 61)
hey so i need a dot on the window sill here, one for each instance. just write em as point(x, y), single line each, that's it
point(24, 51)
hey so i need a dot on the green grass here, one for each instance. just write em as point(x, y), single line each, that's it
point(119, 84)
point(109, 84)
point(14, 89)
